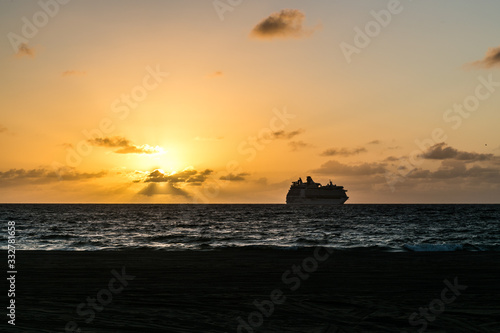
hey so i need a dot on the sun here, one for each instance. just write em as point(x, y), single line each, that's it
point(167, 161)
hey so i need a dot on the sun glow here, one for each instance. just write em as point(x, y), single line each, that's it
point(167, 161)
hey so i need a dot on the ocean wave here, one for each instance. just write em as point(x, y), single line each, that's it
point(439, 247)
point(353, 228)
point(57, 236)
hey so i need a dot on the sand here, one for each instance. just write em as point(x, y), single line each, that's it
point(256, 291)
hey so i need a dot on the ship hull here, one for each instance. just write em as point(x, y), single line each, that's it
point(308, 201)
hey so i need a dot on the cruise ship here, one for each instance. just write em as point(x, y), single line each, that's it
point(311, 193)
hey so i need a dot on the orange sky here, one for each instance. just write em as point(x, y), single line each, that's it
point(170, 101)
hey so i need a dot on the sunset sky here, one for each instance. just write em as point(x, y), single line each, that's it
point(229, 101)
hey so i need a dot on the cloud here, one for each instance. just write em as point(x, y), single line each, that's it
point(337, 168)
point(67, 145)
point(343, 151)
point(441, 151)
point(375, 142)
point(286, 135)
point(286, 23)
point(216, 74)
point(391, 159)
point(188, 176)
point(262, 181)
point(25, 50)
point(115, 141)
point(43, 176)
point(124, 145)
point(491, 59)
point(144, 149)
point(279, 135)
point(172, 181)
point(73, 73)
point(298, 145)
point(235, 177)
point(3, 129)
point(450, 169)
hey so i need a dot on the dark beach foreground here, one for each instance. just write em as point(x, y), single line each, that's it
point(256, 291)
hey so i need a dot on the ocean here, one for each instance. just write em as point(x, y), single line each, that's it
point(351, 227)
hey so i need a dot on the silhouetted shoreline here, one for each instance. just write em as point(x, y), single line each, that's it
point(259, 290)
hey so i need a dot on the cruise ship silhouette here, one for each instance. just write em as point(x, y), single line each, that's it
point(311, 193)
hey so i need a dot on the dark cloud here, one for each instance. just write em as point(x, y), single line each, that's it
point(451, 169)
point(199, 178)
point(343, 151)
point(286, 23)
point(172, 182)
point(298, 145)
point(491, 59)
point(375, 142)
point(189, 176)
point(235, 177)
point(124, 145)
point(73, 73)
point(279, 135)
point(286, 135)
point(441, 151)
point(3, 129)
point(262, 181)
point(158, 176)
point(25, 50)
point(112, 142)
point(338, 169)
point(391, 159)
point(44, 176)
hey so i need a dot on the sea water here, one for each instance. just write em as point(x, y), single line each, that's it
point(350, 227)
